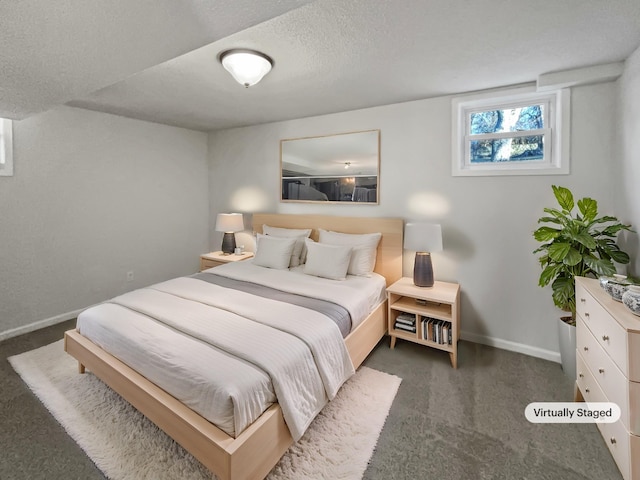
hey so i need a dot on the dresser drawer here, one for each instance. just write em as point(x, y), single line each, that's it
point(620, 446)
point(609, 334)
point(591, 390)
point(613, 383)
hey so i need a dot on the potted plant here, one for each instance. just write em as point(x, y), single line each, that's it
point(580, 244)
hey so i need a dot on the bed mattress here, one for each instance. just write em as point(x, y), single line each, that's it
point(228, 348)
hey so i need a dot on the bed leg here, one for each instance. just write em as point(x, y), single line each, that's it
point(80, 368)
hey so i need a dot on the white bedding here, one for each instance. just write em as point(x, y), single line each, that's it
point(227, 354)
point(359, 295)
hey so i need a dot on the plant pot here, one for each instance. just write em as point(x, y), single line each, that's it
point(567, 340)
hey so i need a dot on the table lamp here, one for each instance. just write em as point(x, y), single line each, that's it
point(423, 238)
point(229, 223)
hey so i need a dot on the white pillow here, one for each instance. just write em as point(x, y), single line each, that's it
point(328, 261)
point(299, 251)
point(363, 257)
point(273, 252)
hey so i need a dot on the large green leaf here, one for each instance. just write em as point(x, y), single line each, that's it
point(559, 250)
point(605, 219)
point(550, 219)
point(562, 218)
point(600, 266)
point(544, 260)
point(544, 234)
point(563, 292)
point(588, 207)
point(548, 274)
point(612, 230)
point(572, 258)
point(585, 239)
point(564, 197)
point(619, 256)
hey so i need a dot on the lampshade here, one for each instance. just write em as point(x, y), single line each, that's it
point(229, 222)
point(247, 67)
point(423, 237)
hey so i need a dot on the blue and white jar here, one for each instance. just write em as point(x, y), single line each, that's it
point(616, 286)
point(616, 277)
point(631, 299)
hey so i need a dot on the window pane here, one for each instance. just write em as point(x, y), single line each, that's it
point(517, 149)
point(507, 120)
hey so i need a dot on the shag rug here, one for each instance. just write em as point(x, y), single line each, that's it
point(125, 445)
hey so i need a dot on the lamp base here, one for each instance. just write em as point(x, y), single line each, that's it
point(423, 270)
point(228, 243)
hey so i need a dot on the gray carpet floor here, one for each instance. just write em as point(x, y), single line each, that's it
point(445, 424)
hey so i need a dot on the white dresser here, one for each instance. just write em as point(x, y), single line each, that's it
point(608, 368)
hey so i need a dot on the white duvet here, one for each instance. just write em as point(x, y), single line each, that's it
point(359, 295)
point(227, 354)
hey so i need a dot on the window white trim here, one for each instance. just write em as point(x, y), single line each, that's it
point(557, 132)
point(6, 148)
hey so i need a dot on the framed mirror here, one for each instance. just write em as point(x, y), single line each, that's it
point(341, 168)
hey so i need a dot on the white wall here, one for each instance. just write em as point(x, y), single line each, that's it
point(627, 158)
point(94, 196)
point(487, 221)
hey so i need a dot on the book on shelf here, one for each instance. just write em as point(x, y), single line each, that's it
point(437, 331)
point(406, 319)
point(405, 328)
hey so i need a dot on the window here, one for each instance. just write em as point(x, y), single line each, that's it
point(6, 148)
point(513, 132)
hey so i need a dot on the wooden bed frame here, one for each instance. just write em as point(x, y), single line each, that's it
point(256, 450)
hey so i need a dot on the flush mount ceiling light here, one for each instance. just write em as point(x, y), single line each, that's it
point(247, 67)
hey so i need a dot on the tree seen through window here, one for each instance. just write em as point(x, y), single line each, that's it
point(495, 142)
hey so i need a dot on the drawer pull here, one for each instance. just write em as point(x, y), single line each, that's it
point(581, 375)
point(586, 314)
point(601, 370)
point(586, 390)
point(586, 349)
point(613, 440)
point(605, 337)
point(583, 300)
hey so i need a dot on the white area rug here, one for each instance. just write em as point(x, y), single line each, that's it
point(125, 445)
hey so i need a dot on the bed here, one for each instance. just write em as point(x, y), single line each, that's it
point(253, 452)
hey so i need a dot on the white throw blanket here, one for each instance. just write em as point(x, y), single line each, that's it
point(302, 350)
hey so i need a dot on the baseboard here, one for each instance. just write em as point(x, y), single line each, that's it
point(512, 346)
point(47, 322)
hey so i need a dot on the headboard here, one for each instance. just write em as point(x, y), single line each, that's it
point(389, 258)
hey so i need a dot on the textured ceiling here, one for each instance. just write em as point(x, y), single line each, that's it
point(53, 51)
point(330, 55)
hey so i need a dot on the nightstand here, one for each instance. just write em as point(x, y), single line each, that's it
point(215, 259)
point(428, 316)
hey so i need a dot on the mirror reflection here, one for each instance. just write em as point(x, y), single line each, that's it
point(333, 168)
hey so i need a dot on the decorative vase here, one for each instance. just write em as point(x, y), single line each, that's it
point(616, 286)
point(567, 342)
point(616, 277)
point(631, 299)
